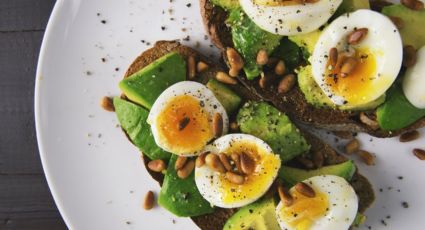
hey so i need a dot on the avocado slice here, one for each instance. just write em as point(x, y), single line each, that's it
point(351, 5)
point(289, 52)
point(412, 32)
point(226, 4)
point(272, 126)
point(181, 196)
point(133, 120)
point(144, 86)
point(260, 215)
point(229, 99)
point(397, 112)
point(291, 176)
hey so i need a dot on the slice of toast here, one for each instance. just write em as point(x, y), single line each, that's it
point(292, 103)
point(216, 220)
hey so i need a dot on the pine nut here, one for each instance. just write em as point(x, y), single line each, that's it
point(333, 56)
point(183, 123)
point(247, 163)
point(236, 159)
point(235, 60)
point(419, 153)
point(191, 67)
point(201, 67)
point(234, 127)
point(217, 125)
point(365, 119)
point(233, 72)
point(413, 4)
point(409, 136)
point(357, 36)
point(180, 162)
point(149, 200)
point(225, 161)
point(213, 161)
point(107, 104)
point(305, 189)
point(367, 157)
point(262, 82)
point(285, 196)
point(156, 165)
point(184, 172)
point(348, 66)
point(225, 78)
point(235, 178)
point(200, 160)
point(280, 68)
point(409, 56)
point(262, 57)
point(352, 146)
point(286, 84)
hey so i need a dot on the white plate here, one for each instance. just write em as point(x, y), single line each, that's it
point(96, 176)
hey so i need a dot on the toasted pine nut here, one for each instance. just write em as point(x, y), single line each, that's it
point(285, 196)
point(409, 56)
point(184, 172)
point(262, 57)
point(235, 178)
point(191, 67)
point(213, 161)
point(262, 82)
point(236, 159)
point(333, 56)
point(156, 165)
point(368, 121)
point(247, 163)
point(149, 200)
point(217, 125)
point(235, 60)
point(398, 22)
point(234, 126)
point(357, 36)
point(233, 72)
point(201, 67)
point(413, 4)
point(107, 104)
point(352, 146)
point(180, 162)
point(419, 153)
point(225, 78)
point(367, 157)
point(305, 189)
point(286, 84)
point(348, 66)
point(280, 68)
point(225, 161)
point(409, 136)
point(200, 160)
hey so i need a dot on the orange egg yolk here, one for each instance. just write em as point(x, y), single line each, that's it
point(184, 125)
point(360, 85)
point(304, 211)
point(267, 166)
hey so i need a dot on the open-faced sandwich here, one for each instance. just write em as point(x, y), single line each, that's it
point(227, 159)
point(342, 65)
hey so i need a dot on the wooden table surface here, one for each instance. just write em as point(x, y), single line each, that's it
point(25, 199)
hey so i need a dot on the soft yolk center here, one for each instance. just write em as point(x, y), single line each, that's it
point(266, 166)
point(360, 85)
point(184, 125)
point(304, 211)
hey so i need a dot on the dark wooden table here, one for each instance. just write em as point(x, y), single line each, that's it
point(25, 199)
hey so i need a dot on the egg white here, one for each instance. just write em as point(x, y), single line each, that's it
point(343, 204)
point(190, 88)
point(383, 40)
point(293, 19)
point(414, 81)
point(208, 181)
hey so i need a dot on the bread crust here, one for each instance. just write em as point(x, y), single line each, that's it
point(292, 103)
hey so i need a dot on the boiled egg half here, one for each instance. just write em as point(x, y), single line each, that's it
point(289, 17)
point(181, 118)
point(414, 81)
point(334, 206)
point(219, 191)
point(378, 58)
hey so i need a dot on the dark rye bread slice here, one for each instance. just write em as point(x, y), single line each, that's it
point(216, 220)
point(292, 103)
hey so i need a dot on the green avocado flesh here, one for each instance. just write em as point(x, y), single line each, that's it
point(351, 5)
point(269, 124)
point(226, 4)
point(144, 86)
point(248, 39)
point(260, 215)
point(229, 99)
point(291, 176)
point(181, 196)
point(133, 120)
point(412, 32)
point(397, 112)
point(289, 52)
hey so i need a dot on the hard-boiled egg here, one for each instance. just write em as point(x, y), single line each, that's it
point(181, 118)
point(289, 17)
point(378, 56)
point(216, 188)
point(333, 207)
point(414, 81)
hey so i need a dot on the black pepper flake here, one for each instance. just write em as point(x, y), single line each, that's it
point(88, 73)
point(103, 21)
point(189, 5)
point(183, 123)
point(117, 69)
point(400, 177)
point(163, 28)
point(383, 222)
point(405, 204)
point(187, 38)
point(103, 59)
point(299, 29)
point(128, 222)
